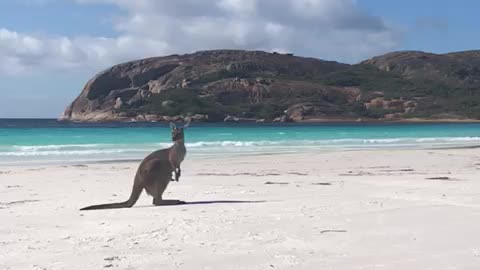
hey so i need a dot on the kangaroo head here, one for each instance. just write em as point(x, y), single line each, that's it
point(177, 133)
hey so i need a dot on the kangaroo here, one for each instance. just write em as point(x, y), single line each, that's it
point(155, 172)
point(178, 151)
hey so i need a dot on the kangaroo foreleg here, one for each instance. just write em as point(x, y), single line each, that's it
point(178, 172)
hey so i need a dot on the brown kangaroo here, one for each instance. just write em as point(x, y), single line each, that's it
point(155, 172)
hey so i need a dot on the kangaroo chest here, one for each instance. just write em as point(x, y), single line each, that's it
point(177, 154)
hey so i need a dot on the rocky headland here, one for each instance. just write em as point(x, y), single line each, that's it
point(236, 85)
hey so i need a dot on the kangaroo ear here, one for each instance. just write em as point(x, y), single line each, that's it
point(187, 124)
point(172, 125)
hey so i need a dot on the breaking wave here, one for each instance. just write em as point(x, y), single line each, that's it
point(212, 147)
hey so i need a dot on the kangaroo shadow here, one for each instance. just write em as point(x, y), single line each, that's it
point(219, 202)
point(203, 203)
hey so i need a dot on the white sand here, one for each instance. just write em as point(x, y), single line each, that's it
point(380, 212)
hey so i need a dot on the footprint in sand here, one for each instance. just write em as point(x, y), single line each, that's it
point(442, 178)
point(18, 202)
point(111, 261)
point(333, 231)
point(276, 183)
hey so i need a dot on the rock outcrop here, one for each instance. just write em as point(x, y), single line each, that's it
point(454, 68)
point(234, 85)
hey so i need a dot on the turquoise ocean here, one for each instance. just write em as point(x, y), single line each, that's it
point(48, 141)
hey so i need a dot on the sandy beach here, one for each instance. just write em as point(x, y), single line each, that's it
point(402, 209)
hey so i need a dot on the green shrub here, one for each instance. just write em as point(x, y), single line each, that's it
point(184, 101)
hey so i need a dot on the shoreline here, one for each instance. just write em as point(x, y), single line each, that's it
point(6, 123)
point(394, 121)
point(219, 156)
point(415, 120)
point(305, 121)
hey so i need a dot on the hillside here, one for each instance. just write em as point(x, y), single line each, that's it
point(237, 85)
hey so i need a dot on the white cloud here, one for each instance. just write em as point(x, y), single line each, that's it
point(328, 29)
point(26, 53)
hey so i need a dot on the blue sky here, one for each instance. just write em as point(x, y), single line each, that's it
point(432, 25)
point(50, 48)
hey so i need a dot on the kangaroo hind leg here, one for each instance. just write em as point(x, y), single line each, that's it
point(161, 185)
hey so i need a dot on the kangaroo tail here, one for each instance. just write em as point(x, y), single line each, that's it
point(136, 191)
